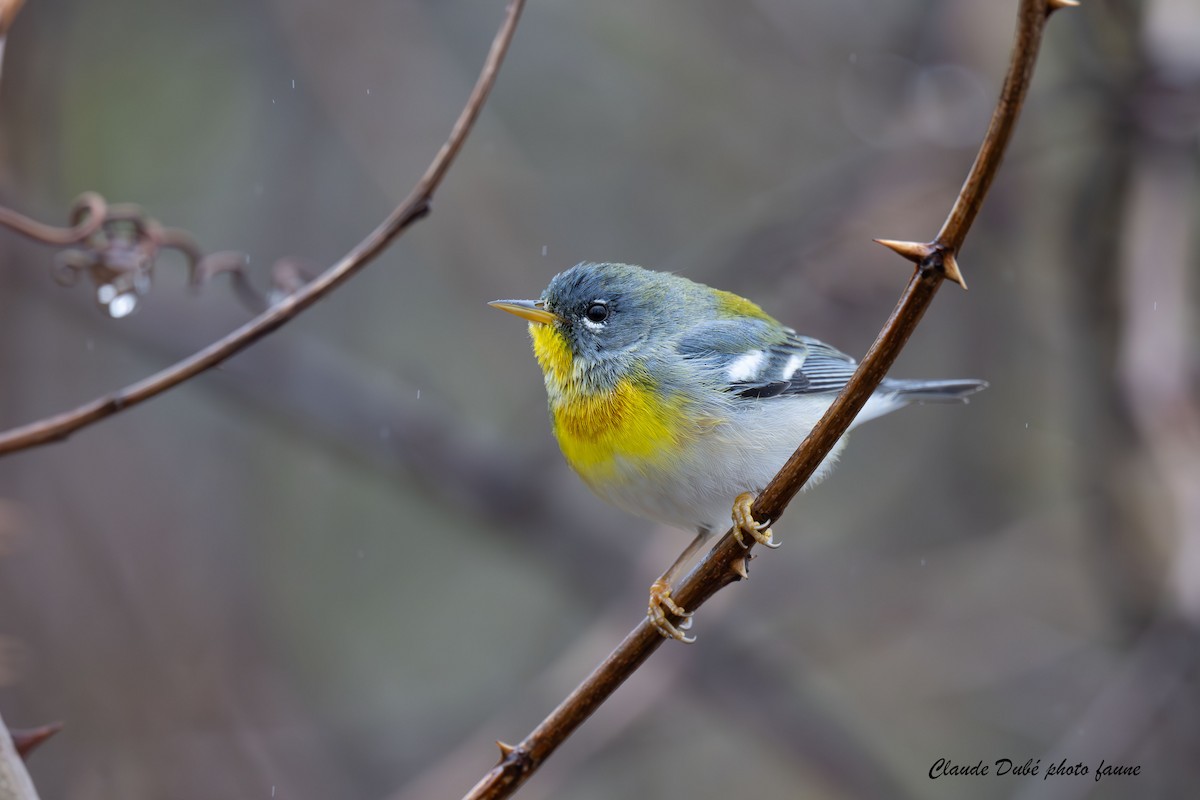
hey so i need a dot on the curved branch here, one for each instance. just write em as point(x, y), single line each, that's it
point(118, 245)
point(726, 562)
point(414, 207)
point(88, 213)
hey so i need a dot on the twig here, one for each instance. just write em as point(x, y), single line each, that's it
point(725, 563)
point(414, 207)
point(117, 247)
point(88, 213)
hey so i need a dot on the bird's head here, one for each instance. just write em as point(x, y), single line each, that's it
point(593, 320)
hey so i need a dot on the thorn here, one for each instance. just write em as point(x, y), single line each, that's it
point(26, 741)
point(505, 749)
point(950, 267)
point(739, 566)
point(915, 252)
point(1055, 5)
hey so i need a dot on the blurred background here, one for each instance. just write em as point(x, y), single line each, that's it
point(344, 563)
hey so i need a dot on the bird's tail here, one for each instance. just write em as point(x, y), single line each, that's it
point(934, 391)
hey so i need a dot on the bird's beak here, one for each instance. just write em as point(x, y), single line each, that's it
point(532, 310)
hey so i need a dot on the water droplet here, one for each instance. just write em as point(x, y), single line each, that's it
point(293, 83)
point(106, 293)
point(544, 248)
point(122, 305)
point(418, 394)
point(90, 344)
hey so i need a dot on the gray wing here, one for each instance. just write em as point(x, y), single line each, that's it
point(801, 365)
point(755, 361)
point(760, 361)
point(807, 366)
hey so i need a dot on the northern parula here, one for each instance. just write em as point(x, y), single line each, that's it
point(670, 398)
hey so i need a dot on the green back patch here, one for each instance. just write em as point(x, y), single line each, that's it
point(732, 305)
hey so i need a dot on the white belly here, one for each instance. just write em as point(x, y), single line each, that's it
point(742, 454)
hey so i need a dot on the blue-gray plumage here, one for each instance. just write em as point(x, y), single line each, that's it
point(757, 385)
point(670, 398)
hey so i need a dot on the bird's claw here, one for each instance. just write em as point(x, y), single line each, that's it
point(662, 604)
point(744, 522)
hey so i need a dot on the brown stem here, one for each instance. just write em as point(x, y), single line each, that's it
point(88, 213)
point(724, 564)
point(1031, 21)
point(414, 207)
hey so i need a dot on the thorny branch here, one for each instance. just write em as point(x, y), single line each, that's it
point(413, 208)
point(726, 562)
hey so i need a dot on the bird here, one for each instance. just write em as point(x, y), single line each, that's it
point(678, 402)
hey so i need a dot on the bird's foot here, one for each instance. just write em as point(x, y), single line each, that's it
point(744, 522)
point(662, 605)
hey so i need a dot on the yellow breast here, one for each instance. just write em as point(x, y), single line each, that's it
point(630, 424)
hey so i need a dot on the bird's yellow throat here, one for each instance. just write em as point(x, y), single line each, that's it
point(599, 430)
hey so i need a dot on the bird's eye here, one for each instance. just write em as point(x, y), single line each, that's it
point(597, 312)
